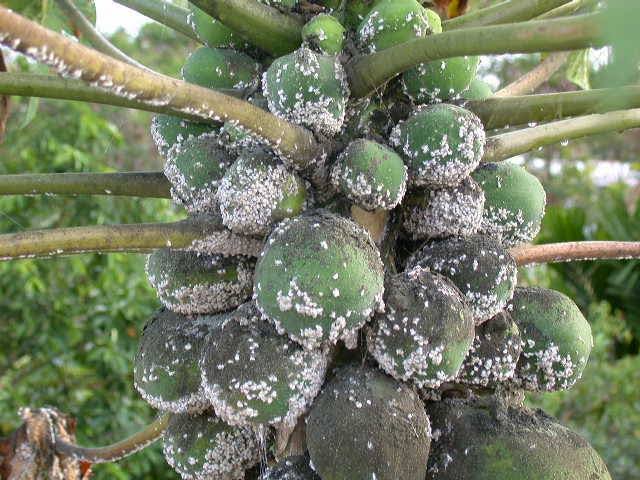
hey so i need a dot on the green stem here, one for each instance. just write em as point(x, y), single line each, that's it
point(264, 26)
point(163, 12)
point(70, 58)
point(511, 111)
point(94, 36)
point(131, 184)
point(368, 72)
point(201, 233)
point(509, 11)
point(531, 80)
point(570, 8)
point(119, 450)
point(575, 251)
point(507, 145)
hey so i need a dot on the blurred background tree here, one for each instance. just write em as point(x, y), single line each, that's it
point(69, 326)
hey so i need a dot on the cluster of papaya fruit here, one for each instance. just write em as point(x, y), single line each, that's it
point(399, 357)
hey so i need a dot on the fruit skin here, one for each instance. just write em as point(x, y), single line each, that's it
point(319, 279)
point(166, 371)
point(488, 439)
point(392, 22)
point(309, 89)
point(201, 447)
point(426, 320)
point(478, 90)
point(221, 68)
point(291, 468)
point(211, 31)
point(515, 202)
point(258, 191)
point(192, 283)
point(441, 144)
point(194, 168)
point(494, 354)
point(168, 131)
point(324, 33)
point(478, 265)
point(364, 425)
point(285, 5)
point(556, 336)
point(451, 211)
point(439, 81)
point(370, 174)
point(253, 375)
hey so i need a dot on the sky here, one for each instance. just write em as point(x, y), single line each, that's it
point(112, 16)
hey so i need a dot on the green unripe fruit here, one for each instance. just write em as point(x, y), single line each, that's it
point(478, 90)
point(366, 425)
point(480, 441)
point(168, 131)
point(370, 174)
point(291, 468)
point(451, 211)
point(257, 191)
point(319, 279)
point(193, 283)
point(194, 169)
point(426, 330)
point(515, 202)
point(324, 33)
point(211, 31)
point(441, 144)
point(494, 354)
point(201, 447)
point(440, 80)
point(556, 339)
point(221, 68)
point(355, 11)
point(166, 368)
point(478, 265)
point(253, 375)
point(392, 22)
point(309, 89)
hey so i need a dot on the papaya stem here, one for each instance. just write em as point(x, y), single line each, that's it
point(130, 184)
point(530, 81)
point(261, 25)
point(509, 11)
point(163, 12)
point(507, 145)
point(75, 60)
point(509, 111)
point(193, 233)
point(94, 36)
point(368, 72)
point(119, 450)
point(575, 251)
point(575, 6)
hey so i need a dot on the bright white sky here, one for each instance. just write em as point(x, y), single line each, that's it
point(112, 16)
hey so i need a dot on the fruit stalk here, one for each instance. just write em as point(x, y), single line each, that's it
point(119, 450)
point(509, 11)
point(131, 184)
point(507, 145)
point(531, 80)
point(163, 12)
point(368, 72)
point(78, 61)
point(575, 251)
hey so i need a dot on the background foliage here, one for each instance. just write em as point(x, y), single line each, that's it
point(69, 326)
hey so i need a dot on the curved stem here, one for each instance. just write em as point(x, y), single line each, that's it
point(509, 11)
point(119, 450)
point(507, 145)
point(263, 26)
point(198, 233)
point(75, 60)
point(131, 184)
point(570, 8)
point(94, 36)
point(368, 72)
point(509, 111)
point(163, 12)
point(574, 251)
point(531, 80)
